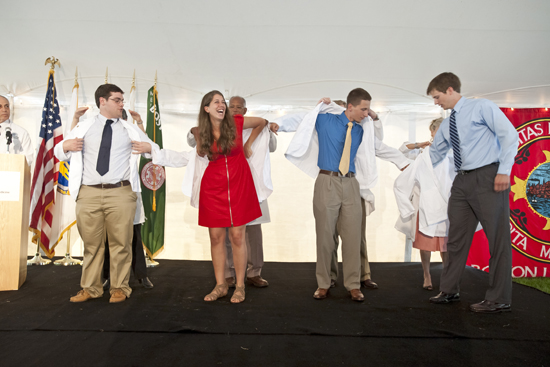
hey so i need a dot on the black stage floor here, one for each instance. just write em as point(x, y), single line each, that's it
point(281, 325)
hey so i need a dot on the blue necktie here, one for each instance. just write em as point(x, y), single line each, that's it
point(455, 141)
point(104, 155)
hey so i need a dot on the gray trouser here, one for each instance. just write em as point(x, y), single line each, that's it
point(337, 199)
point(365, 267)
point(473, 199)
point(255, 249)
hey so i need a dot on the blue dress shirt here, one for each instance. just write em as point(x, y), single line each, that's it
point(332, 130)
point(486, 136)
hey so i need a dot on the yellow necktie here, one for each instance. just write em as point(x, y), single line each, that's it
point(344, 161)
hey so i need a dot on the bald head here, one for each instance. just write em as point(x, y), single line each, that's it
point(237, 106)
point(4, 109)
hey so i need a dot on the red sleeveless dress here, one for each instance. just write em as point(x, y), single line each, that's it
point(227, 195)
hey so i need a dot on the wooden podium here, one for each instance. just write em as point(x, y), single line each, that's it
point(14, 220)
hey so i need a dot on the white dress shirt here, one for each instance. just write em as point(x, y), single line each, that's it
point(121, 147)
point(76, 171)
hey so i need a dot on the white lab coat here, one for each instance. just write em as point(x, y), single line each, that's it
point(424, 191)
point(76, 171)
point(259, 162)
point(303, 150)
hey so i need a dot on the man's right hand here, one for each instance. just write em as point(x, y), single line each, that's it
point(73, 145)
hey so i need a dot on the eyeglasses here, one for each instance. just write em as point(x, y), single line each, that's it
point(117, 100)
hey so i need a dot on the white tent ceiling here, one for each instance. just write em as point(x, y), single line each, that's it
point(279, 53)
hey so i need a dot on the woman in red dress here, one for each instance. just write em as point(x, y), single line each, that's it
point(227, 196)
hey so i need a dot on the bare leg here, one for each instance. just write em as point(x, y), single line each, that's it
point(240, 258)
point(425, 259)
point(217, 249)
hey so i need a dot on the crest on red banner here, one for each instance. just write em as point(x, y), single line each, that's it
point(529, 198)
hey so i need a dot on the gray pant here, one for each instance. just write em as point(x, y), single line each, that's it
point(365, 267)
point(255, 249)
point(337, 199)
point(473, 199)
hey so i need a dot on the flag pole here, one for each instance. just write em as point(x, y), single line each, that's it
point(68, 259)
point(37, 259)
point(107, 75)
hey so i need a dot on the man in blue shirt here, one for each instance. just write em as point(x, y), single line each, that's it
point(336, 193)
point(484, 145)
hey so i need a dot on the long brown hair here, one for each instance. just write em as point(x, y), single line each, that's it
point(228, 131)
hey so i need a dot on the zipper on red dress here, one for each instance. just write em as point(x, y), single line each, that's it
point(228, 191)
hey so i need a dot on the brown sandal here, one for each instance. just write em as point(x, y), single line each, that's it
point(238, 295)
point(219, 291)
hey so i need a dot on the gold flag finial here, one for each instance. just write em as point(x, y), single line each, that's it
point(53, 61)
point(107, 75)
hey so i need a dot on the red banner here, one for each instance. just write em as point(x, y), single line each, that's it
point(529, 198)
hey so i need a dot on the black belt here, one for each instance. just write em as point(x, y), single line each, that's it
point(111, 186)
point(465, 172)
point(337, 174)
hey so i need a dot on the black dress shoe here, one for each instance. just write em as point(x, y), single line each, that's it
point(107, 284)
point(146, 283)
point(490, 307)
point(332, 283)
point(369, 284)
point(443, 297)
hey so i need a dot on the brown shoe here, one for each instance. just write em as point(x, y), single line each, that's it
point(81, 296)
point(356, 295)
point(369, 284)
point(230, 282)
point(258, 281)
point(117, 296)
point(320, 293)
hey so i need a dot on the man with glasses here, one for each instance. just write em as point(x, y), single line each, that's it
point(104, 180)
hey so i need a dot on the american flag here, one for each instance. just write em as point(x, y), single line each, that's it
point(46, 170)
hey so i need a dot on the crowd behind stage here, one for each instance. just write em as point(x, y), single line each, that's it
point(448, 185)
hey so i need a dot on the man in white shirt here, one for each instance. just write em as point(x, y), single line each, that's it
point(104, 180)
point(20, 140)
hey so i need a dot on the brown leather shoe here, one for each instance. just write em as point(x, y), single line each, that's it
point(81, 296)
point(356, 295)
point(320, 293)
point(369, 284)
point(117, 296)
point(258, 281)
point(230, 282)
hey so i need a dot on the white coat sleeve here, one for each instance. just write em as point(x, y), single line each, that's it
point(390, 154)
point(170, 158)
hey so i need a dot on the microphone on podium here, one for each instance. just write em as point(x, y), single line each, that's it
point(8, 137)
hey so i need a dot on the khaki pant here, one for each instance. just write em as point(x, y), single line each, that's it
point(365, 267)
point(337, 199)
point(100, 212)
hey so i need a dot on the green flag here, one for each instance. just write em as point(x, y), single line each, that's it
point(153, 189)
